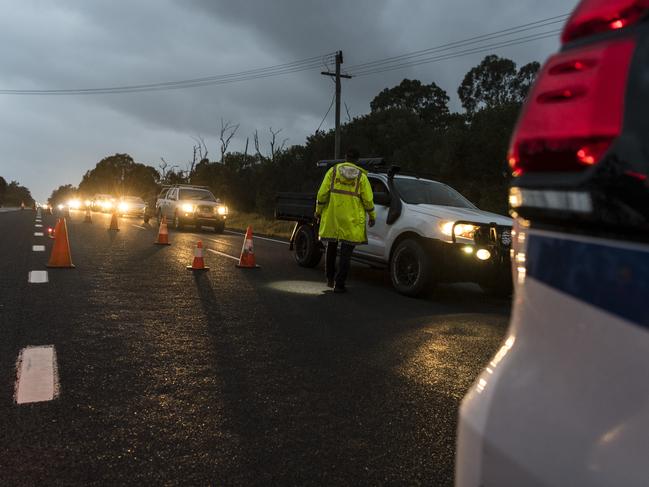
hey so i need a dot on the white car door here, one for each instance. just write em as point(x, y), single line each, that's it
point(376, 235)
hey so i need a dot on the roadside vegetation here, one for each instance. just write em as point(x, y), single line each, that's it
point(409, 124)
point(13, 194)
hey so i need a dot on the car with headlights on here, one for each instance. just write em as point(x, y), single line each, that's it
point(189, 205)
point(103, 202)
point(425, 233)
point(131, 206)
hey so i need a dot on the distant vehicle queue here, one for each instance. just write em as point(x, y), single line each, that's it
point(184, 205)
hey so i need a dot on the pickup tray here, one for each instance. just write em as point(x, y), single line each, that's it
point(295, 207)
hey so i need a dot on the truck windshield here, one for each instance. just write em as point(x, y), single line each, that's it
point(425, 192)
point(196, 194)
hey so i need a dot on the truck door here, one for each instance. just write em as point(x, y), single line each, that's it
point(169, 202)
point(376, 235)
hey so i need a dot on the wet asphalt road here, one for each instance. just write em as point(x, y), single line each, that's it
point(229, 377)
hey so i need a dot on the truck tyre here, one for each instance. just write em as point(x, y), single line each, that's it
point(410, 268)
point(219, 227)
point(308, 251)
point(178, 224)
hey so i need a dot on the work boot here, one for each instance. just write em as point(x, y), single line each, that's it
point(330, 283)
point(340, 289)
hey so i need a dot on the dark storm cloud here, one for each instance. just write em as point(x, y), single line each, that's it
point(49, 141)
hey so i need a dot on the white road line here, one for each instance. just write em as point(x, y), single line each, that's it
point(37, 375)
point(38, 248)
point(229, 244)
point(138, 226)
point(260, 238)
point(37, 277)
point(38, 234)
point(224, 255)
point(38, 225)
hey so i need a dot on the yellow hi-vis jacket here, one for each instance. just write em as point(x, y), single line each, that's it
point(343, 199)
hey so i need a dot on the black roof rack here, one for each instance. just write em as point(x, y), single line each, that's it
point(368, 163)
point(379, 165)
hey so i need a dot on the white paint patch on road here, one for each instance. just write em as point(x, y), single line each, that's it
point(138, 226)
point(256, 237)
point(38, 225)
point(38, 234)
point(37, 277)
point(224, 255)
point(37, 377)
point(38, 248)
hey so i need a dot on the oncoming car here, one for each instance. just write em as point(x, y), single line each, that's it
point(186, 205)
point(103, 202)
point(131, 206)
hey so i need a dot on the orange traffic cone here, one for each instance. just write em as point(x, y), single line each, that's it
point(60, 256)
point(163, 233)
point(114, 225)
point(198, 264)
point(247, 259)
point(88, 217)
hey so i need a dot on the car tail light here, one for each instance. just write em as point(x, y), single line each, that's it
point(575, 110)
point(596, 16)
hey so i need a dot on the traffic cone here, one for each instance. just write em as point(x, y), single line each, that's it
point(88, 217)
point(163, 233)
point(60, 256)
point(198, 264)
point(114, 225)
point(247, 259)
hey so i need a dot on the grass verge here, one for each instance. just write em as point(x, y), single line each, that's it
point(260, 224)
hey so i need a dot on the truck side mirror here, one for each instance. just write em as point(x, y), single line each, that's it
point(382, 199)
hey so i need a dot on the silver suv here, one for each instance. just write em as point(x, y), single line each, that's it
point(186, 205)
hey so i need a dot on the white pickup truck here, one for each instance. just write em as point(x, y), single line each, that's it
point(425, 233)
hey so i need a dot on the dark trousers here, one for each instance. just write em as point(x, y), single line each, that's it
point(343, 266)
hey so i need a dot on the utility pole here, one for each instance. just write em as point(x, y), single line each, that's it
point(337, 75)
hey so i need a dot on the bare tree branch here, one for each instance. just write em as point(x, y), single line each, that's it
point(256, 141)
point(228, 130)
point(273, 143)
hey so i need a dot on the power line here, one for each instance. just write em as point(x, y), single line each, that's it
point(466, 52)
point(473, 44)
point(462, 43)
point(259, 73)
point(333, 98)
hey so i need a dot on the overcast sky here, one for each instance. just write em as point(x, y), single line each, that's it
point(46, 141)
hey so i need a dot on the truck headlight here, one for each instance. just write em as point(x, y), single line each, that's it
point(187, 208)
point(222, 210)
point(462, 230)
point(123, 206)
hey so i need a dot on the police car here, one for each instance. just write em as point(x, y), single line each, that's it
point(565, 401)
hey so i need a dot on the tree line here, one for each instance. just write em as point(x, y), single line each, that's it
point(409, 124)
point(13, 194)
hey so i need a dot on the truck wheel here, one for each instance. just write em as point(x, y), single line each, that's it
point(410, 268)
point(178, 224)
point(499, 285)
point(308, 251)
point(219, 227)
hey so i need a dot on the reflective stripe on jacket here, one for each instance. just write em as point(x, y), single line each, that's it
point(343, 199)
